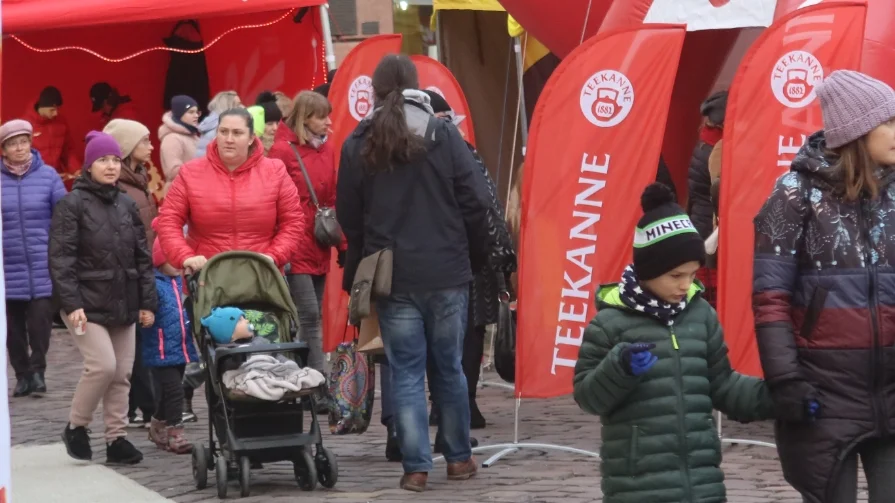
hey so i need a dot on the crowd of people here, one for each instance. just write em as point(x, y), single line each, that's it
point(653, 362)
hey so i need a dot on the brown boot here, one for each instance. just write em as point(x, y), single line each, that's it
point(463, 470)
point(157, 433)
point(177, 442)
point(415, 482)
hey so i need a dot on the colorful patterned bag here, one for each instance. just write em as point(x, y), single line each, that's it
point(352, 384)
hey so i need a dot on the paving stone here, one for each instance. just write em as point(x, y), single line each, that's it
point(752, 473)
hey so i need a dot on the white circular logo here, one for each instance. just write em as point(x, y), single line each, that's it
point(360, 97)
point(436, 91)
point(607, 98)
point(794, 78)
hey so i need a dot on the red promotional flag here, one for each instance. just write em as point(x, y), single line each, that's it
point(771, 110)
point(436, 77)
point(594, 146)
point(351, 94)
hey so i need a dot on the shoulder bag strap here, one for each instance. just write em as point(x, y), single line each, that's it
point(304, 172)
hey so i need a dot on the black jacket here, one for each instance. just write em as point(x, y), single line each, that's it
point(99, 258)
point(699, 206)
point(484, 291)
point(431, 212)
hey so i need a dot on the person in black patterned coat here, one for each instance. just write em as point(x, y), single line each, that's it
point(486, 285)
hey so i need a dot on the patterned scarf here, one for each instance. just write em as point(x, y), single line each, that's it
point(638, 299)
point(20, 168)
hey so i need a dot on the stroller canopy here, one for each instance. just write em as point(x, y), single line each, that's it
point(243, 279)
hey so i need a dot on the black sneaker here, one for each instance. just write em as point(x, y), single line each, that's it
point(476, 419)
point(136, 422)
point(77, 443)
point(188, 417)
point(24, 387)
point(122, 452)
point(38, 384)
point(392, 449)
point(438, 448)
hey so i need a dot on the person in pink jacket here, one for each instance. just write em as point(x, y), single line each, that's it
point(179, 136)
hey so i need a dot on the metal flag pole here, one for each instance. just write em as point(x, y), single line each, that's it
point(327, 37)
point(514, 447)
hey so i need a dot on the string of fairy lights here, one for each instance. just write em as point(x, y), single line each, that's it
point(205, 47)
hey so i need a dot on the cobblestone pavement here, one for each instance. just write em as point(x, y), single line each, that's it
point(753, 474)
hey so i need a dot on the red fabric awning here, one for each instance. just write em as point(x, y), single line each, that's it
point(21, 16)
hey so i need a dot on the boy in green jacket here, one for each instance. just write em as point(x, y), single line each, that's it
point(653, 365)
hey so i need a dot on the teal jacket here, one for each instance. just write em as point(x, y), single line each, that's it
point(659, 440)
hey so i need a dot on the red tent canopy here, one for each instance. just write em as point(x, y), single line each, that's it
point(277, 54)
point(29, 15)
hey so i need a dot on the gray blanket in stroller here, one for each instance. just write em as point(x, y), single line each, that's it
point(267, 378)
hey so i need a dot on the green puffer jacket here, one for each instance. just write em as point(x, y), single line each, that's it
point(660, 444)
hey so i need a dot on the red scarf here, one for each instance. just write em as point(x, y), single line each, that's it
point(711, 135)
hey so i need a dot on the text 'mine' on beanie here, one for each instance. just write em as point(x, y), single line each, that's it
point(99, 145)
point(853, 104)
point(127, 133)
point(665, 237)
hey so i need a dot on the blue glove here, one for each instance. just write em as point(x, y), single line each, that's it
point(812, 410)
point(637, 358)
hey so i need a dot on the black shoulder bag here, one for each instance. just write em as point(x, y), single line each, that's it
point(327, 230)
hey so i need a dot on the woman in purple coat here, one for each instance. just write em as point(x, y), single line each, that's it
point(30, 190)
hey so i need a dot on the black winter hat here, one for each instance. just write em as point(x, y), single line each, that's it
point(180, 104)
point(272, 112)
point(665, 237)
point(715, 107)
point(439, 104)
point(265, 97)
point(49, 97)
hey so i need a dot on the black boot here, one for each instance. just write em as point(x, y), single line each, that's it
point(188, 416)
point(38, 384)
point(438, 448)
point(392, 448)
point(77, 443)
point(476, 419)
point(24, 387)
point(122, 452)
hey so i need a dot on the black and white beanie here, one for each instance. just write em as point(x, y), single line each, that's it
point(665, 237)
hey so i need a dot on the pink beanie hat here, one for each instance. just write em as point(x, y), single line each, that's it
point(853, 104)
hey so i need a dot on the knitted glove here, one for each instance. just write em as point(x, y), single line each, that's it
point(637, 358)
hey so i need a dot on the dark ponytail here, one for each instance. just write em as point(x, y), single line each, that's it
point(390, 140)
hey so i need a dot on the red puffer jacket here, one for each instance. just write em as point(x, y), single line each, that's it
point(310, 258)
point(52, 138)
point(254, 208)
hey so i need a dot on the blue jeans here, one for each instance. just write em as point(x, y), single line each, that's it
point(414, 325)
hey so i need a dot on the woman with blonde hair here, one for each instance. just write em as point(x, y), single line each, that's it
point(222, 101)
point(300, 142)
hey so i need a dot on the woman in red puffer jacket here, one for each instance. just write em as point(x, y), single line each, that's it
point(304, 134)
point(232, 199)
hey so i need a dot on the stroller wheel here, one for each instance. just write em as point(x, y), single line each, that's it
point(245, 475)
point(305, 471)
point(221, 474)
point(327, 467)
point(200, 466)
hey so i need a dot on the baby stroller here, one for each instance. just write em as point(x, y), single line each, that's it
point(244, 431)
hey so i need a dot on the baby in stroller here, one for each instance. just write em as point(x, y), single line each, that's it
point(266, 376)
point(257, 391)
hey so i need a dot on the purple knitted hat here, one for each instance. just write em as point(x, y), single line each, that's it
point(853, 104)
point(99, 145)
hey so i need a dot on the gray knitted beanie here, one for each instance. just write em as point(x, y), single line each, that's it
point(853, 104)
